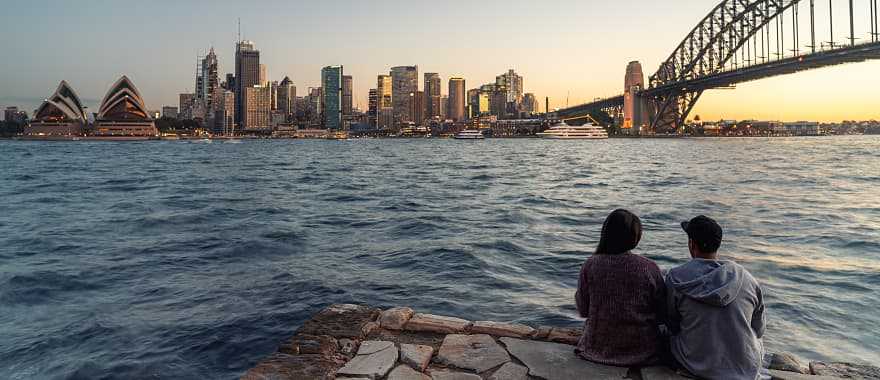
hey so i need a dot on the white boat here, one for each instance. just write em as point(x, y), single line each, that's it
point(563, 131)
point(469, 134)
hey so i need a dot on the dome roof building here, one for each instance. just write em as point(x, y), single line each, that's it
point(62, 114)
point(124, 114)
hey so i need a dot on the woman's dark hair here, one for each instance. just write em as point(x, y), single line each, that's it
point(621, 233)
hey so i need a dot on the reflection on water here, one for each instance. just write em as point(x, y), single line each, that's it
point(135, 259)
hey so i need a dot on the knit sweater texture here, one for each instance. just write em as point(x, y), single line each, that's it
point(622, 297)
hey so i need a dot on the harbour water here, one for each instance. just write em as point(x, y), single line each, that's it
point(188, 259)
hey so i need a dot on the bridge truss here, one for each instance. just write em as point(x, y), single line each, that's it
point(743, 40)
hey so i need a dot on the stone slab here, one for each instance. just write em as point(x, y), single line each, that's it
point(374, 360)
point(395, 318)
point(449, 375)
point(437, 324)
point(845, 370)
point(510, 371)
point(403, 372)
point(478, 353)
point(555, 361)
point(341, 321)
point(416, 356)
point(284, 366)
point(786, 375)
point(565, 335)
point(511, 330)
point(786, 361)
point(661, 373)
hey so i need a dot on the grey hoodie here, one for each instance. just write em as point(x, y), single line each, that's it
point(716, 316)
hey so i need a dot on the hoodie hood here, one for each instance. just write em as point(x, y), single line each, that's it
point(712, 282)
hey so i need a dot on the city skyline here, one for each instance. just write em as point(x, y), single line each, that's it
point(563, 55)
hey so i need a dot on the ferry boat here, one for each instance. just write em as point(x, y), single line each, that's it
point(470, 134)
point(563, 131)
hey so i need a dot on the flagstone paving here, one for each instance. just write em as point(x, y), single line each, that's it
point(359, 342)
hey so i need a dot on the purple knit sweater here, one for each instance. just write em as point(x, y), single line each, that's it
point(622, 297)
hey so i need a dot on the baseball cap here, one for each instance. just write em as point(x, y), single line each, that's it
point(705, 231)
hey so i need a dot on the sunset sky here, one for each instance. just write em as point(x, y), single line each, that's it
point(569, 50)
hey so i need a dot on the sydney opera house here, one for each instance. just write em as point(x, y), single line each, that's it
point(60, 115)
point(122, 115)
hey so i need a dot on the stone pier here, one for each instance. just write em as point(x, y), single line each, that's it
point(361, 342)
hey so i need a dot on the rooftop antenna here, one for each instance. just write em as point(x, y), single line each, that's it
point(239, 29)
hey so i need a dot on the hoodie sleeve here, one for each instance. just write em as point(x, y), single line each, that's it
point(758, 314)
point(673, 317)
point(582, 296)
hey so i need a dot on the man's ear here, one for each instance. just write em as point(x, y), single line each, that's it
point(692, 248)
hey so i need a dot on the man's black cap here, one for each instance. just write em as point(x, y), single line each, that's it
point(705, 231)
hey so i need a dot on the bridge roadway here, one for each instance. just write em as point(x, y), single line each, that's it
point(848, 54)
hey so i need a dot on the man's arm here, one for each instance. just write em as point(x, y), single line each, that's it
point(673, 317)
point(758, 314)
point(582, 296)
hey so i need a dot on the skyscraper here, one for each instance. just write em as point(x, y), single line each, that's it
point(186, 104)
point(264, 75)
point(432, 95)
point(347, 94)
point(457, 96)
point(373, 108)
point(418, 107)
point(513, 86)
point(287, 97)
point(257, 107)
point(530, 104)
point(207, 80)
point(331, 82)
point(247, 73)
point(385, 107)
point(404, 85)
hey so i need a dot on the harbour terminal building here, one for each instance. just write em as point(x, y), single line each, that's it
point(60, 115)
point(123, 113)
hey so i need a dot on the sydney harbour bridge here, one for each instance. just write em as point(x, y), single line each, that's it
point(741, 41)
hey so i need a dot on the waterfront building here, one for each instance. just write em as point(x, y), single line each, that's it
point(444, 107)
point(373, 108)
point(186, 105)
point(530, 104)
point(247, 74)
point(433, 96)
point(511, 84)
point(257, 108)
point(61, 114)
point(264, 75)
point(123, 113)
point(404, 85)
point(273, 95)
point(14, 115)
point(331, 83)
point(457, 102)
point(418, 104)
point(170, 112)
point(635, 108)
point(230, 82)
point(286, 97)
point(347, 95)
point(207, 79)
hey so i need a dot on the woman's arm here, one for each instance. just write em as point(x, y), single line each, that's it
point(582, 296)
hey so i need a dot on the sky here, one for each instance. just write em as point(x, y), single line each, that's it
point(571, 51)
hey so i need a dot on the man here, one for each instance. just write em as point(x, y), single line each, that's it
point(716, 310)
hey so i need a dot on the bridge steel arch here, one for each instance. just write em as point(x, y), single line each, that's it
point(709, 48)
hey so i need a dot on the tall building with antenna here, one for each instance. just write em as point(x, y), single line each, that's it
point(247, 73)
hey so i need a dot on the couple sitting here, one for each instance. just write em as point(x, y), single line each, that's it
point(712, 309)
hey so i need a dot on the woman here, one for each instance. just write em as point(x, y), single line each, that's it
point(621, 295)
